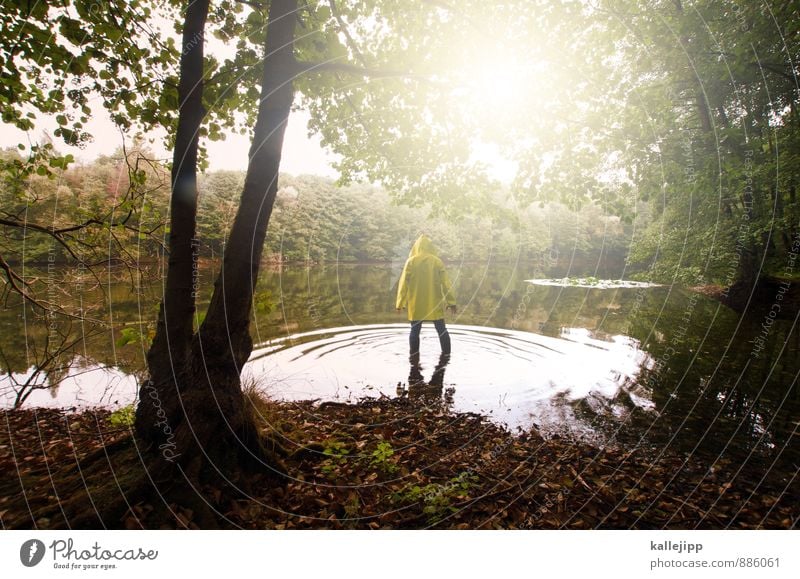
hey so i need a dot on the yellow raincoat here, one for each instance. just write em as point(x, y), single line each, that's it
point(424, 286)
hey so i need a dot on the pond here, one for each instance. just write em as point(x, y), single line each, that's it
point(609, 362)
point(518, 378)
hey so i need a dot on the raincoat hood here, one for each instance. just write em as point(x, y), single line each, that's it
point(423, 244)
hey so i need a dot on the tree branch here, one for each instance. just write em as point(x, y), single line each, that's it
point(252, 4)
point(773, 69)
point(330, 66)
point(13, 278)
point(54, 233)
point(351, 44)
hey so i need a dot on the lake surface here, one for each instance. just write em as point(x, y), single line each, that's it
point(518, 378)
point(652, 365)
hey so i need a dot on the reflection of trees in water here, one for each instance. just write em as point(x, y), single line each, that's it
point(709, 388)
point(330, 296)
point(49, 356)
point(708, 382)
point(38, 352)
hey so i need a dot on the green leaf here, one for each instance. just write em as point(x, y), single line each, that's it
point(125, 416)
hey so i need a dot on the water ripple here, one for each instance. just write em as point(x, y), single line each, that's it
point(518, 378)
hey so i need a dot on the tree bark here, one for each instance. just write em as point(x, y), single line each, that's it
point(212, 424)
point(224, 336)
point(167, 359)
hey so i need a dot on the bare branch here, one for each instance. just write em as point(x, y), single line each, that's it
point(13, 278)
point(41, 228)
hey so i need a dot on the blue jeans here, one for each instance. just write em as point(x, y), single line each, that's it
point(441, 329)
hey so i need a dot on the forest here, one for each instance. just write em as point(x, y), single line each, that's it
point(314, 220)
point(626, 299)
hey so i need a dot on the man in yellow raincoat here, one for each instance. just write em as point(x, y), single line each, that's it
point(425, 290)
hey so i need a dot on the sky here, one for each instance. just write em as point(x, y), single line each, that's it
point(301, 154)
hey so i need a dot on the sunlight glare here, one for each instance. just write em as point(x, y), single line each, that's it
point(494, 85)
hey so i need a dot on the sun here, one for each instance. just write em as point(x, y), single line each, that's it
point(499, 84)
point(494, 93)
point(496, 85)
point(491, 83)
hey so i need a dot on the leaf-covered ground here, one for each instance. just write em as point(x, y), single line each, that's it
point(396, 464)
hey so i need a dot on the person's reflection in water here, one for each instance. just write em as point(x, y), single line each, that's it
point(429, 393)
point(415, 377)
point(437, 380)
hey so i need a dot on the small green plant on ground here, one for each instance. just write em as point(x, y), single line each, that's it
point(381, 458)
point(437, 498)
point(264, 302)
point(336, 451)
point(123, 416)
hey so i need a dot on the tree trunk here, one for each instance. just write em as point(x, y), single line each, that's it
point(211, 423)
point(224, 336)
point(167, 359)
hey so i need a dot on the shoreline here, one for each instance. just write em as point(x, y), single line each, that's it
point(767, 291)
point(401, 464)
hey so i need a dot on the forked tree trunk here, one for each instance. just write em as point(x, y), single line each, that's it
point(210, 424)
